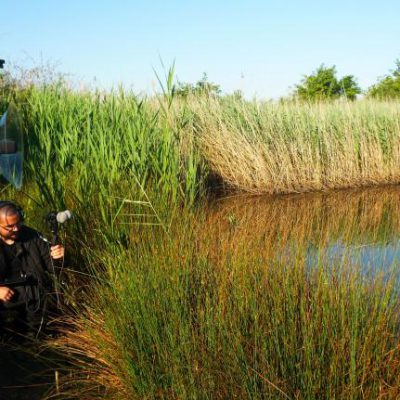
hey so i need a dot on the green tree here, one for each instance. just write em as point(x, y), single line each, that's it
point(201, 87)
point(388, 86)
point(324, 85)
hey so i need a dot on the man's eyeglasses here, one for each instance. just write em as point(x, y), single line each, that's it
point(10, 228)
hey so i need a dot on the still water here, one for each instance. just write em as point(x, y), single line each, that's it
point(356, 227)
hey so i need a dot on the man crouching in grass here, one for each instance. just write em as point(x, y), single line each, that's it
point(26, 273)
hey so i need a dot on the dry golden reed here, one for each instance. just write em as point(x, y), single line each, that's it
point(295, 147)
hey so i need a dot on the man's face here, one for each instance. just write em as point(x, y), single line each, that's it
point(10, 225)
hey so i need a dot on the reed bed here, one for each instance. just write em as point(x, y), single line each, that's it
point(172, 303)
point(173, 321)
point(93, 151)
point(295, 147)
point(172, 144)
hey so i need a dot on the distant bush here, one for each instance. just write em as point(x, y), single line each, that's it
point(388, 86)
point(201, 87)
point(324, 85)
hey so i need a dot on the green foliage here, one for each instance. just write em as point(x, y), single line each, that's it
point(201, 87)
point(324, 85)
point(103, 152)
point(388, 86)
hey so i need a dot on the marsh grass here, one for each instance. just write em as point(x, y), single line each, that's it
point(207, 311)
point(170, 308)
point(296, 147)
point(174, 321)
point(95, 151)
point(85, 144)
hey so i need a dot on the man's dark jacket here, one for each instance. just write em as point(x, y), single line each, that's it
point(33, 259)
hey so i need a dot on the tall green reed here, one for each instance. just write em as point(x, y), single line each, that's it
point(95, 152)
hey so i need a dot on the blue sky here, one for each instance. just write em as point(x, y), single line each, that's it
point(260, 47)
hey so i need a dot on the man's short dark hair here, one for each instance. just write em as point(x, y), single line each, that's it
point(10, 208)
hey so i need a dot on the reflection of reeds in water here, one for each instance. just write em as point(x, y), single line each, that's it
point(265, 224)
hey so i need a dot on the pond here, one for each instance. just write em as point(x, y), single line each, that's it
point(356, 227)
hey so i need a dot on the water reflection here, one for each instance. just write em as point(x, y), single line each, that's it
point(356, 227)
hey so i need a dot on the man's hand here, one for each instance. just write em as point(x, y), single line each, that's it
point(6, 293)
point(57, 251)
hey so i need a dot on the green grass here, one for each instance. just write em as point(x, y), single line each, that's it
point(94, 150)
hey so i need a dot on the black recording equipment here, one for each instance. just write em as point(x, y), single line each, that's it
point(2, 64)
point(26, 292)
point(54, 219)
point(23, 281)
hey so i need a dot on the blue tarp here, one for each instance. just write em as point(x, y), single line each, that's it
point(11, 161)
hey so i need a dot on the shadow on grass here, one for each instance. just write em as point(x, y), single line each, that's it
point(26, 370)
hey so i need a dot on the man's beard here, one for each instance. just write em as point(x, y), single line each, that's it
point(12, 236)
